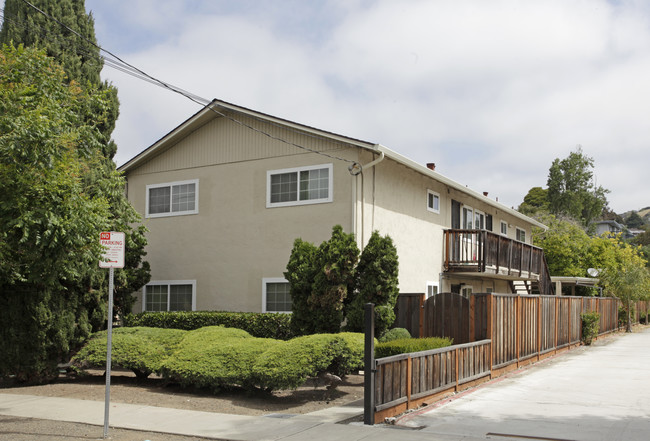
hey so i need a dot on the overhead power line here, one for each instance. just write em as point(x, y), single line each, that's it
point(115, 62)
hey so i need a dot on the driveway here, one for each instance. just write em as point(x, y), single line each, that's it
point(592, 393)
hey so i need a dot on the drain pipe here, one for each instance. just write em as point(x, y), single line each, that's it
point(356, 169)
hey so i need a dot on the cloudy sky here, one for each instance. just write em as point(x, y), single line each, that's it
point(491, 91)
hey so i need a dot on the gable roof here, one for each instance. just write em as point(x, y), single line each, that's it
point(218, 108)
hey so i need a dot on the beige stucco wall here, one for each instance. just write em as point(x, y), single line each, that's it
point(235, 240)
point(395, 203)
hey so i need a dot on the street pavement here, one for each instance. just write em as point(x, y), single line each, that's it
point(592, 393)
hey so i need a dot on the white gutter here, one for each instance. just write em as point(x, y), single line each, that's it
point(357, 168)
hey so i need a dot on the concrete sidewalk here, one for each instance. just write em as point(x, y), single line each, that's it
point(596, 393)
point(316, 426)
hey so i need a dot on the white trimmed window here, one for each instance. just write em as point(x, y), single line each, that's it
point(173, 199)
point(169, 295)
point(432, 289)
point(521, 235)
point(275, 295)
point(504, 228)
point(299, 186)
point(433, 201)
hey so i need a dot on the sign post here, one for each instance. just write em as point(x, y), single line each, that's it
point(113, 257)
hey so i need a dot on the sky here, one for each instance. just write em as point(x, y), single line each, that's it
point(492, 92)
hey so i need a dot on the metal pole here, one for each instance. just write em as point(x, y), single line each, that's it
point(369, 369)
point(109, 341)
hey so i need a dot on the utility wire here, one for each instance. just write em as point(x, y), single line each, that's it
point(117, 63)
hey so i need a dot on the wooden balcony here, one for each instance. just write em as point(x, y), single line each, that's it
point(480, 251)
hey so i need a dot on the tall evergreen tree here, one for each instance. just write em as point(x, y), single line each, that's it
point(66, 33)
point(77, 52)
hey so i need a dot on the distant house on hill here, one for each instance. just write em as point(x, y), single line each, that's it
point(608, 227)
point(226, 192)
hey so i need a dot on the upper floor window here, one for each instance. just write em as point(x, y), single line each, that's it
point(173, 199)
point(521, 235)
point(504, 228)
point(170, 296)
point(433, 201)
point(298, 186)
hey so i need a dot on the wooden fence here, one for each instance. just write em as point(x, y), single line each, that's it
point(505, 331)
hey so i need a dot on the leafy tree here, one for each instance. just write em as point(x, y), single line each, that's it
point(634, 220)
point(627, 279)
point(376, 282)
point(78, 54)
point(50, 215)
point(571, 190)
point(566, 246)
point(536, 200)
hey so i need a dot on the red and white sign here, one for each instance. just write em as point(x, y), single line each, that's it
point(114, 245)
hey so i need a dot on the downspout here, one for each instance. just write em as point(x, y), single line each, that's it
point(356, 169)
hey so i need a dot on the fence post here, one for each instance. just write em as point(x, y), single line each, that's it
point(518, 324)
point(369, 368)
point(488, 307)
point(539, 326)
point(472, 325)
point(422, 315)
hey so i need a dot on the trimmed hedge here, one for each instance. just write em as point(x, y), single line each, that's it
point(142, 350)
point(288, 365)
point(216, 357)
point(408, 345)
point(395, 334)
point(263, 325)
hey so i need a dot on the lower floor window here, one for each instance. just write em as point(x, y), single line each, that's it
point(276, 296)
point(170, 296)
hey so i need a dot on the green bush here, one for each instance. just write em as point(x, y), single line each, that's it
point(40, 327)
point(288, 365)
point(376, 282)
point(263, 325)
point(590, 326)
point(216, 357)
point(142, 350)
point(395, 334)
point(405, 346)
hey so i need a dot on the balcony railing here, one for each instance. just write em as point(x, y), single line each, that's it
point(486, 252)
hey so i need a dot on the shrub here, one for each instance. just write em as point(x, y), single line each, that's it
point(263, 325)
point(405, 346)
point(216, 357)
point(395, 334)
point(376, 281)
point(289, 364)
point(590, 326)
point(142, 350)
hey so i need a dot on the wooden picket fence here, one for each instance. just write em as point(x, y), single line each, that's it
point(506, 331)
